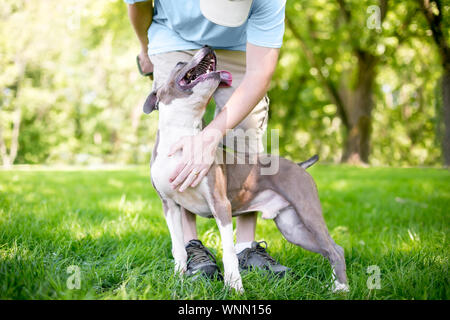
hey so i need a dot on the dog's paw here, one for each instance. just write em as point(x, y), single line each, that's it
point(180, 268)
point(238, 287)
point(234, 283)
point(338, 287)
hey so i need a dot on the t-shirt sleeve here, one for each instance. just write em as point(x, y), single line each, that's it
point(265, 26)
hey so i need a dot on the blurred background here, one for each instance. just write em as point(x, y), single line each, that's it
point(365, 82)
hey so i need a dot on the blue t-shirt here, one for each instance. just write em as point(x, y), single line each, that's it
point(180, 25)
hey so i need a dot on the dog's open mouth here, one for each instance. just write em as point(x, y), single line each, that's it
point(205, 69)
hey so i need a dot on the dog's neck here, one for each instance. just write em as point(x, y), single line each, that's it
point(180, 114)
point(177, 120)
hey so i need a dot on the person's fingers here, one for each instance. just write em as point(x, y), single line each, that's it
point(147, 67)
point(199, 177)
point(182, 175)
point(190, 178)
point(182, 166)
point(145, 62)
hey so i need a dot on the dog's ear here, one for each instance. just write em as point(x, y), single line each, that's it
point(151, 103)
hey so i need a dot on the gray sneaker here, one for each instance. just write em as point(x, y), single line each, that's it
point(200, 261)
point(257, 257)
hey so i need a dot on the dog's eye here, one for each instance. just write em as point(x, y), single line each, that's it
point(181, 64)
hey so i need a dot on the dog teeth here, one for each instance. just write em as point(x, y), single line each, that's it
point(205, 66)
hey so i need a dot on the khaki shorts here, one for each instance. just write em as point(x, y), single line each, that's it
point(249, 133)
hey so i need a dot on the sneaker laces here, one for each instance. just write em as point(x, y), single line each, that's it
point(198, 253)
point(260, 250)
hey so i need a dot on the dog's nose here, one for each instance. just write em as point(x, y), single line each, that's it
point(207, 48)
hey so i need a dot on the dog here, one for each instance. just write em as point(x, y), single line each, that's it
point(289, 196)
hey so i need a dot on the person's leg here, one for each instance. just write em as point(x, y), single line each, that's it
point(234, 62)
point(252, 128)
point(189, 226)
point(245, 231)
point(247, 137)
point(163, 64)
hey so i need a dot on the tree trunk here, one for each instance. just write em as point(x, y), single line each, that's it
point(446, 113)
point(357, 144)
point(354, 106)
point(434, 19)
point(8, 159)
point(358, 108)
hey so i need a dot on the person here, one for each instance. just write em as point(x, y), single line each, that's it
point(246, 36)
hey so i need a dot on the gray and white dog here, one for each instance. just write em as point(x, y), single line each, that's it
point(288, 196)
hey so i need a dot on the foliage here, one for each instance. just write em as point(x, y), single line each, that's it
point(69, 69)
point(80, 95)
point(406, 113)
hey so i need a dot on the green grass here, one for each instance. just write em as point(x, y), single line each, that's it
point(110, 224)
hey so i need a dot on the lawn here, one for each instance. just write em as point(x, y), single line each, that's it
point(108, 225)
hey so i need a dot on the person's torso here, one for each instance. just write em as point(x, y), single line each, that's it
point(183, 22)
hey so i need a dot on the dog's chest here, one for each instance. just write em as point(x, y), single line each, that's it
point(193, 199)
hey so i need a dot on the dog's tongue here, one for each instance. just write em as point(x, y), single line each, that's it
point(225, 78)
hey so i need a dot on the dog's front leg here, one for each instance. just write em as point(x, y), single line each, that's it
point(172, 212)
point(232, 275)
point(221, 209)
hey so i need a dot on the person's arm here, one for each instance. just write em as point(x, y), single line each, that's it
point(141, 14)
point(261, 63)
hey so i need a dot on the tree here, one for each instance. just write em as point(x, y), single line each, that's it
point(16, 67)
point(69, 88)
point(354, 99)
point(433, 12)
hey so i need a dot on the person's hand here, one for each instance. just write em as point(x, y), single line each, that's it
point(198, 154)
point(145, 63)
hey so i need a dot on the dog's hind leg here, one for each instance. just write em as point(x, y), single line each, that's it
point(295, 231)
point(303, 224)
point(172, 212)
point(315, 238)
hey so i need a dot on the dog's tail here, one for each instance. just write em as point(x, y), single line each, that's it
point(308, 163)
